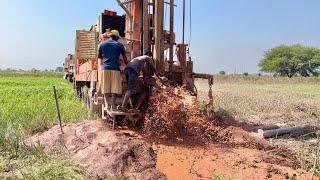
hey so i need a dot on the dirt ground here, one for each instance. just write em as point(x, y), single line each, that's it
point(104, 153)
point(219, 162)
point(174, 142)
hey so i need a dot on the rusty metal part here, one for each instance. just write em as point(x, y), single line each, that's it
point(209, 106)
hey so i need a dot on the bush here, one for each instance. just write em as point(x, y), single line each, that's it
point(222, 73)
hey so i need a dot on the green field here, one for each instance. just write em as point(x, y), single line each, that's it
point(27, 106)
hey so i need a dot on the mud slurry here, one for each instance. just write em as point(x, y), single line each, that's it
point(190, 145)
point(174, 113)
point(100, 151)
point(219, 162)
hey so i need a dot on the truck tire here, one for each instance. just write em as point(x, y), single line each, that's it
point(85, 96)
point(70, 78)
point(94, 108)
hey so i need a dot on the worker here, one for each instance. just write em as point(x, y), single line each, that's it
point(109, 54)
point(132, 72)
point(105, 36)
point(102, 38)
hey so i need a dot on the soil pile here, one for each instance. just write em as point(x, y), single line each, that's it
point(174, 113)
point(100, 151)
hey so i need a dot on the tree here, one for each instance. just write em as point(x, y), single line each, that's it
point(246, 74)
point(291, 61)
point(34, 70)
point(59, 69)
point(222, 73)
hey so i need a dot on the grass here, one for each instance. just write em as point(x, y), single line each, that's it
point(240, 79)
point(31, 74)
point(40, 166)
point(271, 101)
point(27, 106)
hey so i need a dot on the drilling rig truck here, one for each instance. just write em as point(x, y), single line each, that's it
point(141, 28)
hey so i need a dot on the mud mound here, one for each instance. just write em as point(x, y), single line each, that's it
point(102, 152)
point(173, 112)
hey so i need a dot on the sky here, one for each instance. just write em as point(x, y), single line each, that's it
point(229, 35)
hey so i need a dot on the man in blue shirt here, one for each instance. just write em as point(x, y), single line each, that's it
point(109, 54)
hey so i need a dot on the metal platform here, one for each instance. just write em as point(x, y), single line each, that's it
point(120, 113)
point(107, 114)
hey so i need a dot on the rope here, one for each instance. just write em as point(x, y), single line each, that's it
point(190, 26)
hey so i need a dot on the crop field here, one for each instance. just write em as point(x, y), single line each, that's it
point(26, 106)
point(266, 100)
point(269, 100)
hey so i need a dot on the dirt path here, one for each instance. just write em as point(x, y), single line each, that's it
point(218, 162)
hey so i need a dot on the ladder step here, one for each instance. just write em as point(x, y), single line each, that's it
point(127, 2)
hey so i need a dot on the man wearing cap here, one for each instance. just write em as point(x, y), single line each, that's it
point(109, 54)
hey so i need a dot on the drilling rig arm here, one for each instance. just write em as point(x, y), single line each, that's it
point(204, 76)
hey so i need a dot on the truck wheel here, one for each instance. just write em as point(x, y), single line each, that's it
point(85, 96)
point(94, 108)
point(79, 91)
point(70, 79)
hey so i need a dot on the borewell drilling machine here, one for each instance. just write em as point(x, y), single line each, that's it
point(141, 28)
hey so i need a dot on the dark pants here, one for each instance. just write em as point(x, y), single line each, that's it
point(132, 78)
